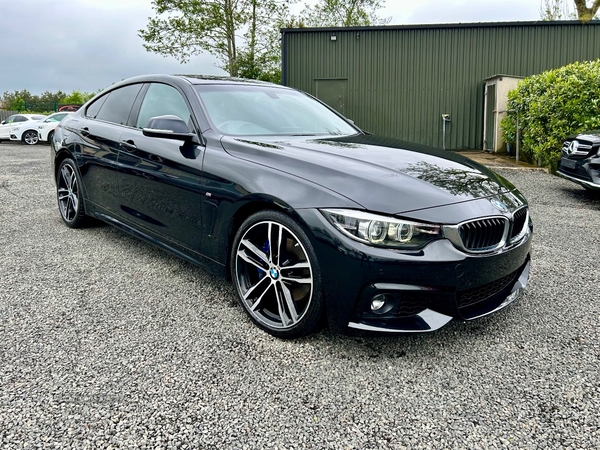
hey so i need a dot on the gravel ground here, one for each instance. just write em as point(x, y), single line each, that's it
point(107, 342)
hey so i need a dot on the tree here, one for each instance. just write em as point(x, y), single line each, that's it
point(261, 58)
point(184, 28)
point(16, 101)
point(584, 12)
point(561, 10)
point(344, 13)
point(76, 98)
point(556, 10)
point(49, 101)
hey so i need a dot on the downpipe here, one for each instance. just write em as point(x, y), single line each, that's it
point(445, 118)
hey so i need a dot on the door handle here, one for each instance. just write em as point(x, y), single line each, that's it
point(155, 158)
point(128, 145)
point(85, 131)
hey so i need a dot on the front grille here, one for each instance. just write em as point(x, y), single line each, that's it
point(471, 296)
point(484, 234)
point(519, 223)
point(577, 149)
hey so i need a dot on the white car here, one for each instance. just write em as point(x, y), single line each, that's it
point(46, 128)
point(23, 122)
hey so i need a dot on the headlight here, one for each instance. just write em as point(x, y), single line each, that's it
point(382, 231)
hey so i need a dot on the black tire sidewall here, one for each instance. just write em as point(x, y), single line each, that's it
point(313, 318)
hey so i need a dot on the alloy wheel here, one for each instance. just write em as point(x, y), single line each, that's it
point(30, 137)
point(274, 275)
point(68, 193)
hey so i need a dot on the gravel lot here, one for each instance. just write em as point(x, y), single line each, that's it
point(107, 342)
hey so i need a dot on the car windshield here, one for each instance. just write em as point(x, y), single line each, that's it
point(271, 111)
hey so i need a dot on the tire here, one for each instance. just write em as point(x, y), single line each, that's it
point(280, 290)
point(50, 136)
point(69, 194)
point(30, 137)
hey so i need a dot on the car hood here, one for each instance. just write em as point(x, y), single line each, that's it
point(591, 136)
point(381, 174)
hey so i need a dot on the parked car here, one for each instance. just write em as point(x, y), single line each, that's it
point(46, 128)
point(580, 159)
point(69, 108)
point(16, 121)
point(308, 215)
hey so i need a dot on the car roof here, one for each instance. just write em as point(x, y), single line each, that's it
point(192, 79)
point(211, 79)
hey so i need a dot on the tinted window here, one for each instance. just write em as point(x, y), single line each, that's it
point(20, 119)
point(92, 110)
point(118, 105)
point(161, 100)
point(10, 119)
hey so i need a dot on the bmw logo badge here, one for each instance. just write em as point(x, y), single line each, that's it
point(498, 205)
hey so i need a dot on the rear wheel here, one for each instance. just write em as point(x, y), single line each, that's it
point(276, 275)
point(30, 137)
point(69, 195)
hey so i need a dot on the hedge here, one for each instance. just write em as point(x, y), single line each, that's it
point(552, 106)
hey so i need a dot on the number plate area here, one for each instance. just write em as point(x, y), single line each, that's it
point(568, 163)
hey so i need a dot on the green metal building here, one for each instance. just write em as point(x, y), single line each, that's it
point(399, 80)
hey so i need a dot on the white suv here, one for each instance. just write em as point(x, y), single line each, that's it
point(22, 122)
point(46, 128)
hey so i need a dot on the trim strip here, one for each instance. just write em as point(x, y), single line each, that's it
point(578, 181)
point(434, 319)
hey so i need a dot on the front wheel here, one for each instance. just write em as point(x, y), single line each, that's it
point(69, 195)
point(30, 137)
point(276, 275)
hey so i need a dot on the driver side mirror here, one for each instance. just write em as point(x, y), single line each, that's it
point(169, 127)
point(3, 123)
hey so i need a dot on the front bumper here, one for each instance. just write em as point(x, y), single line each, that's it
point(423, 290)
point(585, 172)
point(429, 319)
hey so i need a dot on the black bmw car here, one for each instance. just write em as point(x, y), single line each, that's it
point(311, 218)
point(580, 160)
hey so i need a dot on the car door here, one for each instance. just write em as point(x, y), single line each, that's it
point(10, 122)
point(97, 147)
point(160, 179)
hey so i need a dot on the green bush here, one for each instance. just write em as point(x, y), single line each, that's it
point(552, 106)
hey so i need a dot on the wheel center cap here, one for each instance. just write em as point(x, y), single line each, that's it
point(274, 273)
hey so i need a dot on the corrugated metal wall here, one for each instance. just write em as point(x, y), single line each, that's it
point(402, 79)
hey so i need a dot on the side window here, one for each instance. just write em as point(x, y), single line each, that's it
point(56, 117)
point(20, 119)
point(117, 106)
point(10, 119)
point(92, 110)
point(161, 100)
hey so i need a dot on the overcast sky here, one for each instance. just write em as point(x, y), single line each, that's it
point(87, 45)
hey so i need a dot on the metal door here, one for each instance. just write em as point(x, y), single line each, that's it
point(333, 93)
point(489, 139)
